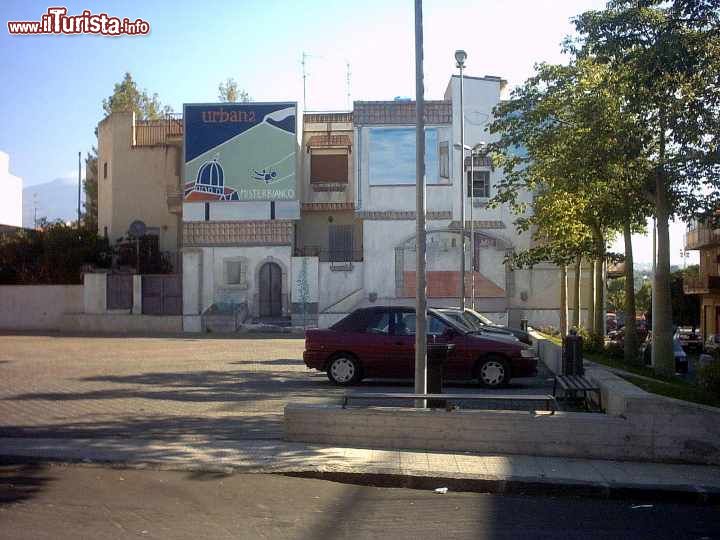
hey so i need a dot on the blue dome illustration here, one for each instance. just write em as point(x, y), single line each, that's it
point(210, 177)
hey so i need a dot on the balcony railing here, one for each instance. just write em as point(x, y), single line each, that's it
point(701, 285)
point(159, 132)
point(331, 256)
point(702, 236)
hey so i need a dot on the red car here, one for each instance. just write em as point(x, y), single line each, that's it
point(379, 342)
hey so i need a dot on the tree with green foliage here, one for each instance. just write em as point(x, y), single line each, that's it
point(667, 54)
point(229, 92)
point(578, 149)
point(54, 254)
point(127, 96)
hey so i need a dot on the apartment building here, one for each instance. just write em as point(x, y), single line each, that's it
point(139, 173)
point(706, 239)
point(281, 217)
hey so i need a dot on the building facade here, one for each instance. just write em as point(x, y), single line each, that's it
point(706, 240)
point(282, 217)
point(139, 174)
point(10, 194)
point(240, 208)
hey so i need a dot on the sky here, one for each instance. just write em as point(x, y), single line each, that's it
point(53, 86)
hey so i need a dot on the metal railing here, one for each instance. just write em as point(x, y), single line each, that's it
point(331, 256)
point(158, 132)
point(703, 284)
point(701, 236)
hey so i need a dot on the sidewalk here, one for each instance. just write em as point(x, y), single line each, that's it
point(400, 468)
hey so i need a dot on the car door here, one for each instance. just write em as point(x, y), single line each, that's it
point(440, 332)
point(404, 334)
point(376, 346)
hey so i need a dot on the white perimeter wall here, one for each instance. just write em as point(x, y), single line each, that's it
point(38, 307)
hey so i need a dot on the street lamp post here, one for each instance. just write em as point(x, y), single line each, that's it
point(420, 207)
point(460, 57)
point(472, 228)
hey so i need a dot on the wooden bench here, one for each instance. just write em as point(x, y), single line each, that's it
point(546, 399)
point(577, 384)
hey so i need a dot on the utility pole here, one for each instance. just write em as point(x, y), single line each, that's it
point(460, 57)
point(472, 228)
point(420, 285)
point(79, 186)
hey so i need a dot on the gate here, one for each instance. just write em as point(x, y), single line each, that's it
point(270, 290)
point(162, 294)
point(119, 291)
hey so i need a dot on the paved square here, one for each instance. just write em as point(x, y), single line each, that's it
point(163, 388)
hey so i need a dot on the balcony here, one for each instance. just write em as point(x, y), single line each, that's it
point(701, 285)
point(335, 257)
point(164, 131)
point(702, 236)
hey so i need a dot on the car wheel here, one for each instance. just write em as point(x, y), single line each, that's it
point(343, 370)
point(493, 372)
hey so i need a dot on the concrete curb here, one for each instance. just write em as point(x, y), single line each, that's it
point(689, 494)
point(678, 493)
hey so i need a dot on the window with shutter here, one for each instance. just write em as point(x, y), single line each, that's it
point(329, 168)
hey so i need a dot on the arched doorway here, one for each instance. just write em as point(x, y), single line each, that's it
point(270, 290)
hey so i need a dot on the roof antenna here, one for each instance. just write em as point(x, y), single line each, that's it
point(347, 84)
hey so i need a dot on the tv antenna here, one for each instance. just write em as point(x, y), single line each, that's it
point(305, 56)
point(348, 74)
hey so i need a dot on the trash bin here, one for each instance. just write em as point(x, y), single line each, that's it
point(572, 356)
point(437, 355)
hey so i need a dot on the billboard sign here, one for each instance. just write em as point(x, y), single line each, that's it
point(240, 151)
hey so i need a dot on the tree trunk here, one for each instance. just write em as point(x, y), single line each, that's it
point(599, 283)
point(590, 324)
point(576, 293)
point(662, 339)
point(599, 299)
point(563, 301)
point(631, 337)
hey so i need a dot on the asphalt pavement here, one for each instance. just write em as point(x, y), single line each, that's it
point(68, 502)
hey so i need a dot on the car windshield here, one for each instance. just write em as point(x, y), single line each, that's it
point(478, 318)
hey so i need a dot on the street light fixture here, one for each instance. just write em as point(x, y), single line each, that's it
point(460, 57)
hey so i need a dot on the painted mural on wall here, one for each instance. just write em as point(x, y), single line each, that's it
point(392, 156)
point(240, 151)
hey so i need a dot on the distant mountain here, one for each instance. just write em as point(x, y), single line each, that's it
point(54, 200)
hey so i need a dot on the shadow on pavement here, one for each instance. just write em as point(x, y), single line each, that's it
point(21, 481)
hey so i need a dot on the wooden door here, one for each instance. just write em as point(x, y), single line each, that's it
point(270, 290)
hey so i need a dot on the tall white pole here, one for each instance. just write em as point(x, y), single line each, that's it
point(472, 229)
point(462, 191)
point(420, 284)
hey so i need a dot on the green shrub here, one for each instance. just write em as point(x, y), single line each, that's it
point(709, 378)
point(614, 350)
point(592, 343)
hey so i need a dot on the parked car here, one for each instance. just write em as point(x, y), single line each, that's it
point(712, 345)
point(380, 342)
point(478, 321)
point(681, 360)
point(690, 340)
point(473, 325)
